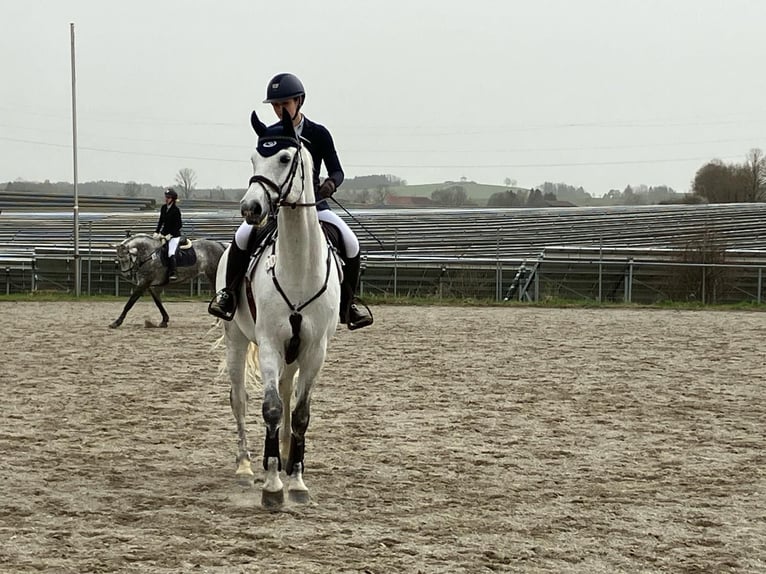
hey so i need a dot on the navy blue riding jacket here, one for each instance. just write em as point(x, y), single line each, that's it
point(170, 220)
point(319, 142)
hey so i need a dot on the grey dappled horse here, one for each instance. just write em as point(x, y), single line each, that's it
point(288, 311)
point(141, 262)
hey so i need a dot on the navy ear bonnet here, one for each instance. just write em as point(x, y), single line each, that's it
point(274, 140)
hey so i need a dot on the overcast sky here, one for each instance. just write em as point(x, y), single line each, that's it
point(592, 93)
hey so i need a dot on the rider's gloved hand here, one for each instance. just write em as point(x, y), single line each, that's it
point(327, 188)
point(157, 235)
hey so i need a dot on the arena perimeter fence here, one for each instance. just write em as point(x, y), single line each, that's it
point(707, 254)
point(581, 274)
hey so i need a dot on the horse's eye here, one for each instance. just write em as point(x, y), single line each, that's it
point(284, 158)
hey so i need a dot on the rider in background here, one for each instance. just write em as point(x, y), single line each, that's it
point(286, 92)
point(170, 225)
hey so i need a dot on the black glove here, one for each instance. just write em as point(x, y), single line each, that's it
point(327, 188)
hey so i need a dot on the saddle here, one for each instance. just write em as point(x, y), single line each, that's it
point(185, 254)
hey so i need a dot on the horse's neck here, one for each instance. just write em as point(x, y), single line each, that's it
point(301, 248)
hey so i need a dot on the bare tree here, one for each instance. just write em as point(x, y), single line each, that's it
point(186, 180)
point(755, 165)
point(453, 196)
point(378, 195)
point(131, 189)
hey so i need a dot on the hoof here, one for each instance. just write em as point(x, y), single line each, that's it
point(245, 473)
point(272, 500)
point(114, 325)
point(298, 496)
point(245, 480)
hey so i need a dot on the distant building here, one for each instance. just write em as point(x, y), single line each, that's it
point(558, 203)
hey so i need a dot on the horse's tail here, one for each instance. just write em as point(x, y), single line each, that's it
point(252, 367)
point(218, 344)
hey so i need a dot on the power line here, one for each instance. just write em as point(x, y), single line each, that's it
point(411, 130)
point(126, 152)
point(387, 166)
point(745, 141)
point(525, 165)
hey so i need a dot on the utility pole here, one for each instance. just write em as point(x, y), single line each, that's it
point(77, 274)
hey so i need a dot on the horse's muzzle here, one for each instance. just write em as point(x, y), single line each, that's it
point(252, 213)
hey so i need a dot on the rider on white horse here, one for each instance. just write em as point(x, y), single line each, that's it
point(286, 92)
point(170, 224)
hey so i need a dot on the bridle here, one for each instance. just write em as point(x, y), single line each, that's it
point(283, 189)
point(136, 263)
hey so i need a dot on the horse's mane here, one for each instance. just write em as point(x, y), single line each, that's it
point(136, 236)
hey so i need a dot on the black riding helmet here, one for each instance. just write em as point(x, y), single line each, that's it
point(170, 192)
point(284, 87)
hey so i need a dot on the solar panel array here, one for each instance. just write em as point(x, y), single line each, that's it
point(424, 246)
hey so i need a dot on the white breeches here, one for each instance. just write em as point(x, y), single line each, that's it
point(173, 245)
point(350, 242)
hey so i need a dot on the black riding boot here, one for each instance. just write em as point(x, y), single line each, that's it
point(172, 263)
point(224, 304)
point(353, 312)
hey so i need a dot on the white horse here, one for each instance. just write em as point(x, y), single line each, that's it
point(288, 309)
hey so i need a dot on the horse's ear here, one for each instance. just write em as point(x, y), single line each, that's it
point(257, 124)
point(287, 123)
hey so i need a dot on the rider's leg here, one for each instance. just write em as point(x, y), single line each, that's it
point(224, 304)
point(352, 311)
point(172, 247)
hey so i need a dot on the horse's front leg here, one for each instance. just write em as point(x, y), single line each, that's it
point(309, 372)
point(158, 302)
point(270, 362)
point(135, 296)
point(286, 394)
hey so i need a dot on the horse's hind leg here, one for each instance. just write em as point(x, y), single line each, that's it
point(158, 302)
point(236, 356)
point(135, 296)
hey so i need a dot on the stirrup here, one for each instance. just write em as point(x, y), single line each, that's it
point(359, 315)
point(223, 305)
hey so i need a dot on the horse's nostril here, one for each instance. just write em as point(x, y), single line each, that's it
point(251, 213)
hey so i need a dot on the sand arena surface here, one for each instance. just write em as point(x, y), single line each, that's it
point(442, 440)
